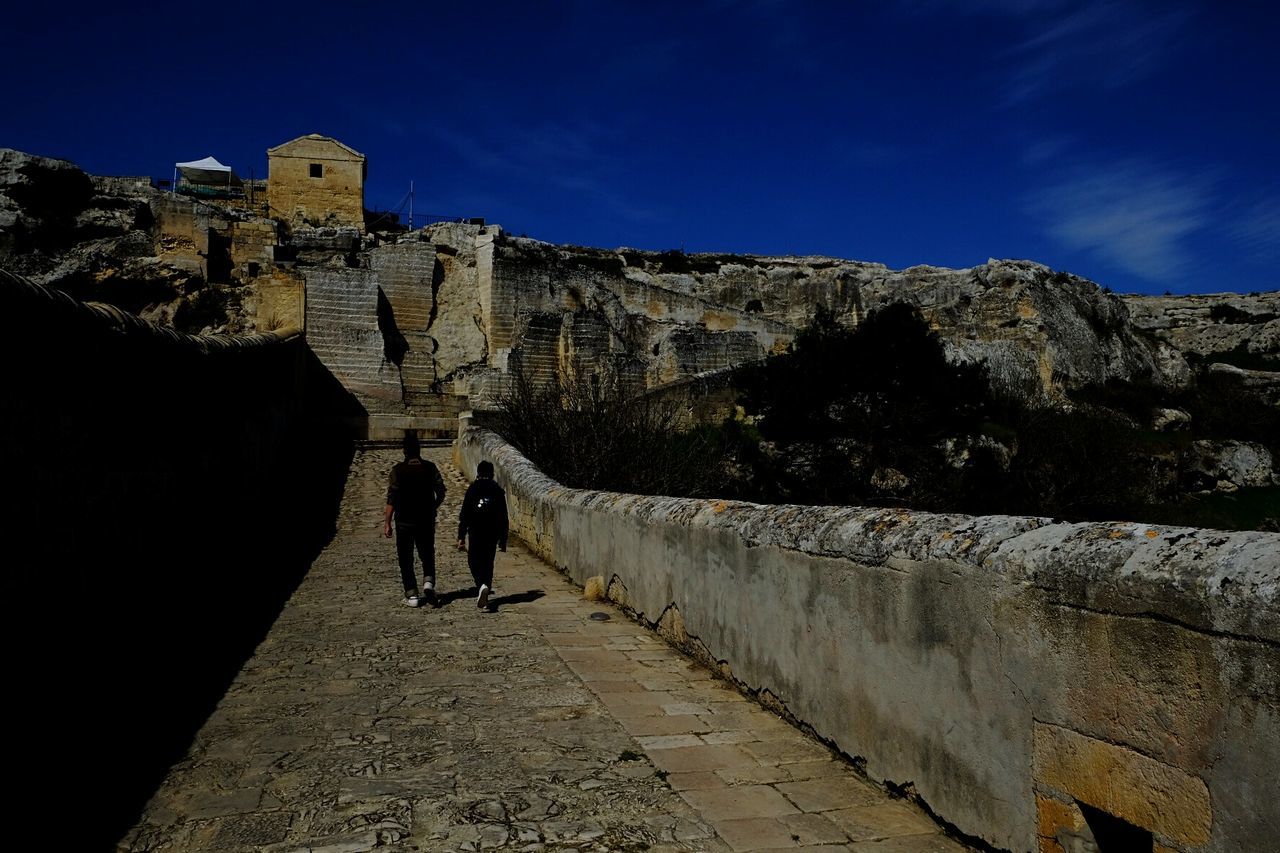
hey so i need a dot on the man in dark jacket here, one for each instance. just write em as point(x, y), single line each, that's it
point(414, 494)
point(484, 517)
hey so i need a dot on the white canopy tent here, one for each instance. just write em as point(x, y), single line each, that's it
point(208, 172)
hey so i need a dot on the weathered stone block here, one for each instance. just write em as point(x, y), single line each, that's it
point(1123, 783)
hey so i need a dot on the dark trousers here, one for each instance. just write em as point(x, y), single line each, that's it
point(480, 553)
point(424, 536)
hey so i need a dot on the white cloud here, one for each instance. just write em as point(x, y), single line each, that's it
point(1130, 215)
point(1004, 8)
point(567, 157)
point(1106, 45)
point(1096, 44)
point(1258, 231)
point(1047, 150)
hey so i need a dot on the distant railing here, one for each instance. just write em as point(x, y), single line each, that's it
point(212, 192)
point(421, 220)
point(413, 221)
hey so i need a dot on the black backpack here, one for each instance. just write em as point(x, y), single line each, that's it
point(486, 515)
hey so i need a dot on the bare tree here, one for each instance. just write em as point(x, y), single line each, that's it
point(588, 427)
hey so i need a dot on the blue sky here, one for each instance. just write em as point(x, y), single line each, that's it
point(1133, 143)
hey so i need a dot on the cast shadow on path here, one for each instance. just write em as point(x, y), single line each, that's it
point(516, 598)
point(444, 599)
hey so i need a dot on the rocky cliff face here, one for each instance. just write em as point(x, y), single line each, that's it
point(58, 229)
point(109, 240)
point(1234, 328)
point(1041, 333)
point(471, 301)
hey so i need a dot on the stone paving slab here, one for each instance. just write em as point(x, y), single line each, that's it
point(361, 724)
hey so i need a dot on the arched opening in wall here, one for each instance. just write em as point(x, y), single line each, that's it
point(1112, 834)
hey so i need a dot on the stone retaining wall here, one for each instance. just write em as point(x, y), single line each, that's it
point(1004, 670)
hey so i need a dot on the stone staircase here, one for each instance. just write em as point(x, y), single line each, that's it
point(432, 416)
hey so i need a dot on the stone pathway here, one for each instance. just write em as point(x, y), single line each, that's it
point(362, 724)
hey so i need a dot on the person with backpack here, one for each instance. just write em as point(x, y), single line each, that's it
point(414, 493)
point(484, 518)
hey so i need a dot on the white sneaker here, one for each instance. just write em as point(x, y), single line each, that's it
point(482, 600)
point(412, 601)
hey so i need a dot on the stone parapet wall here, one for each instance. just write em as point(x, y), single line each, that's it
point(1004, 670)
point(168, 490)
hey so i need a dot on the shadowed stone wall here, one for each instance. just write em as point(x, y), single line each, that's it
point(1005, 670)
point(168, 491)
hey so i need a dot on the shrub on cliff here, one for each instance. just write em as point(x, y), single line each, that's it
point(864, 412)
point(876, 414)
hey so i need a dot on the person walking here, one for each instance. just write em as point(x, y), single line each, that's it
point(414, 493)
point(484, 519)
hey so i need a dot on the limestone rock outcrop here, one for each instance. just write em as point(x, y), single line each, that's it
point(1041, 333)
point(1169, 420)
point(1262, 384)
point(65, 229)
point(1228, 465)
point(466, 303)
point(1211, 327)
point(125, 243)
point(40, 201)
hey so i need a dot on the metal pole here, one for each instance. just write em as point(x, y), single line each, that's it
point(411, 205)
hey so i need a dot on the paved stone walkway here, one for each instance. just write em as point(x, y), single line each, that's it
point(362, 724)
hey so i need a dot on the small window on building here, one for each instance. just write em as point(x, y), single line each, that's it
point(317, 170)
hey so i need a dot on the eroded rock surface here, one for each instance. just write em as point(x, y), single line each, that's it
point(481, 301)
point(1211, 325)
point(108, 240)
point(1228, 465)
point(1040, 332)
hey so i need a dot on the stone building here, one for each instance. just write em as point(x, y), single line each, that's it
point(316, 180)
